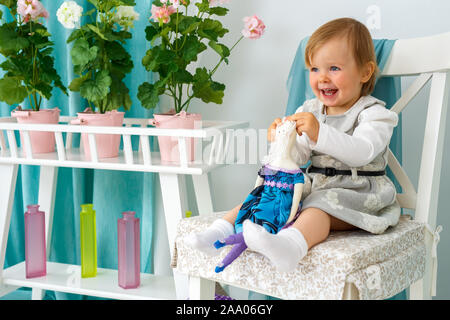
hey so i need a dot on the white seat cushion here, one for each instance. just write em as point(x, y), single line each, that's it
point(378, 265)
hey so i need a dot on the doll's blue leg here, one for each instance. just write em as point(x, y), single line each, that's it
point(233, 254)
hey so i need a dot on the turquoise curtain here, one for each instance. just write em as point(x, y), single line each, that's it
point(111, 192)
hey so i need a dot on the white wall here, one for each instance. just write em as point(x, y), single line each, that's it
point(258, 69)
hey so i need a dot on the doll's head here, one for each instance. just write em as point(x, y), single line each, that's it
point(341, 58)
point(281, 146)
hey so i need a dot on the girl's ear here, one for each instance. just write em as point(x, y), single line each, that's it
point(367, 71)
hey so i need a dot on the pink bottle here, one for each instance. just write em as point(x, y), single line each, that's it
point(128, 231)
point(35, 251)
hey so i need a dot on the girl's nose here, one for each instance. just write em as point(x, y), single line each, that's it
point(323, 77)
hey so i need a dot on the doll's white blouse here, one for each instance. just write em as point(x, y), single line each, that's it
point(370, 137)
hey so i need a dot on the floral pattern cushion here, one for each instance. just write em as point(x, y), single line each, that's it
point(378, 265)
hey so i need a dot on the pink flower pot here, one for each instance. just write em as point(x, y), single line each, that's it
point(168, 146)
point(107, 144)
point(41, 141)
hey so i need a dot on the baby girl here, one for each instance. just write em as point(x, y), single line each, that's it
point(345, 133)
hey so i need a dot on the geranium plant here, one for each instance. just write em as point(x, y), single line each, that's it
point(178, 34)
point(99, 58)
point(28, 65)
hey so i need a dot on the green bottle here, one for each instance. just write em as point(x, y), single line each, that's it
point(88, 241)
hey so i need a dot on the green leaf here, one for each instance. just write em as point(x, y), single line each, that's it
point(76, 83)
point(115, 51)
point(211, 29)
point(8, 3)
point(47, 51)
point(203, 6)
point(97, 31)
point(41, 30)
point(221, 49)
point(206, 89)
point(151, 32)
point(192, 48)
point(188, 25)
point(76, 34)
point(10, 41)
point(44, 89)
point(96, 89)
point(127, 2)
point(82, 54)
point(218, 11)
point(121, 67)
point(120, 36)
point(95, 3)
point(12, 91)
point(118, 95)
point(183, 76)
point(159, 58)
point(148, 95)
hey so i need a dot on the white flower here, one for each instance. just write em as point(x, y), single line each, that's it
point(175, 3)
point(126, 16)
point(69, 14)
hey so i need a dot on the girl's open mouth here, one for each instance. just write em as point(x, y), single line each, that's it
point(328, 92)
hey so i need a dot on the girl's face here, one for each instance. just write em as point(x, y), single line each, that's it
point(335, 77)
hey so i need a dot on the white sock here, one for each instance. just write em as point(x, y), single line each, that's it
point(204, 241)
point(284, 249)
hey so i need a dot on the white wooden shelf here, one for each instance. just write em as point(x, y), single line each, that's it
point(67, 278)
point(208, 142)
point(212, 143)
point(76, 159)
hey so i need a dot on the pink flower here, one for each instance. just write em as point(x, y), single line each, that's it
point(31, 10)
point(162, 14)
point(253, 28)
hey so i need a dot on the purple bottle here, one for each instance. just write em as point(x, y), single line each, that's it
point(128, 231)
point(35, 251)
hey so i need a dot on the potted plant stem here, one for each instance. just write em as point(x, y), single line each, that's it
point(28, 66)
point(101, 63)
point(178, 34)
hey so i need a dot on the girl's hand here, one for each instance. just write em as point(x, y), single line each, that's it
point(306, 122)
point(272, 128)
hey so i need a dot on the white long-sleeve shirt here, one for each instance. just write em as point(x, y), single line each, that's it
point(355, 138)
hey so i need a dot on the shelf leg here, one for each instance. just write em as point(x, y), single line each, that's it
point(201, 289)
point(203, 194)
point(47, 190)
point(8, 174)
point(174, 203)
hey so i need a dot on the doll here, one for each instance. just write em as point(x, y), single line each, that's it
point(274, 202)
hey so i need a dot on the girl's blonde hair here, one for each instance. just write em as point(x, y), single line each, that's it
point(359, 39)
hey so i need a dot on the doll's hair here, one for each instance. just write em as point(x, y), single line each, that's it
point(359, 40)
point(281, 141)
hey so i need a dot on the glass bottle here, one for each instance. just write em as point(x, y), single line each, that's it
point(129, 251)
point(88, 241)
point(35, 251)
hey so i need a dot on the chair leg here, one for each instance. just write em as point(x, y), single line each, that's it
point(201, 289)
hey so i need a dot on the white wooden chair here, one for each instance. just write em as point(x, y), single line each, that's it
point(365, 266)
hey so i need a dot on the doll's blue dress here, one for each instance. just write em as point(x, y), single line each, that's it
point(268, 205)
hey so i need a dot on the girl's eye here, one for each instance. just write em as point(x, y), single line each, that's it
point(334, 68)
point(314, 69)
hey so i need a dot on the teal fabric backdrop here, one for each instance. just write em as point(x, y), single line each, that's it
point(111, 192)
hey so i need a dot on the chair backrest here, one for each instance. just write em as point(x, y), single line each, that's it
point(429, 59)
